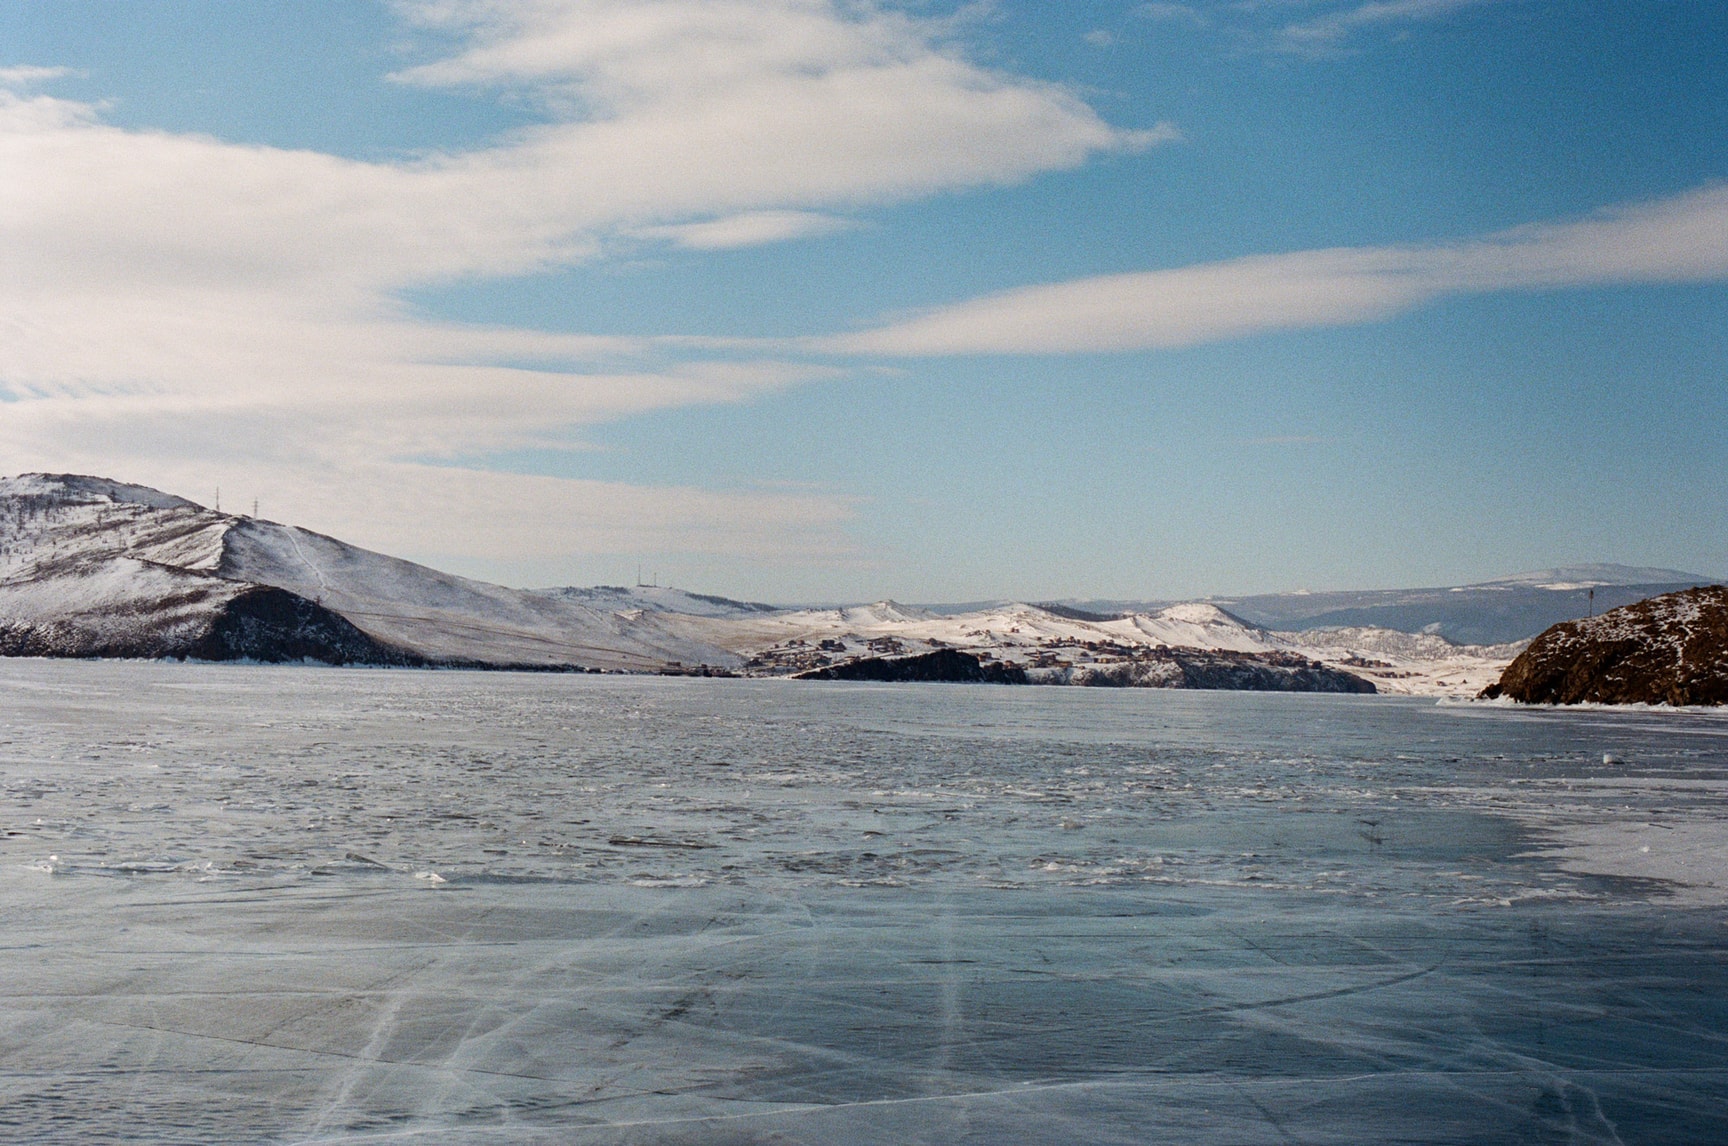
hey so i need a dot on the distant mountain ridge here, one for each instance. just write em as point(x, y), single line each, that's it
point(1499, 611)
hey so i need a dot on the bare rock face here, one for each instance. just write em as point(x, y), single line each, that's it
point(1671, 649)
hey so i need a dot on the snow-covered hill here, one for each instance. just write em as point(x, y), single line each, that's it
point(90, 566)
point(448, 618)
point(1050, 644)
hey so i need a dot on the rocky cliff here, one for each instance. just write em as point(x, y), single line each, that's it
point(1671, 649)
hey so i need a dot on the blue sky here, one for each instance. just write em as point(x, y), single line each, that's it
point(801, 300)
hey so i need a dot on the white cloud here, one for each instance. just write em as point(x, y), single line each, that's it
point(750, 229)
point(176, 305)
point(27, 75)
point(705, 107)
point(1676, 240)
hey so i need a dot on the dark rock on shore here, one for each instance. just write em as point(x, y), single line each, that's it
point(217, 621)
point(1671, 649)
point(267, 624)
point(1150, 668)
point(1268, 672)
point(1217, 669)
point(941, 665)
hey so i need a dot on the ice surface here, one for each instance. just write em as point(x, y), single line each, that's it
point(253, 904)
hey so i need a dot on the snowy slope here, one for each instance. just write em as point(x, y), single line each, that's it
point(110, 606)
point(52, 524)
point(1193, 625)
point(452, 618)
point(90, 566)
point(657, 599)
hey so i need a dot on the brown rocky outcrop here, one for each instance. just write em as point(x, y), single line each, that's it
point(1671, 649)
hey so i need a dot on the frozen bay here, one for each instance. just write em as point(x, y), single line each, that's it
point(250, 904)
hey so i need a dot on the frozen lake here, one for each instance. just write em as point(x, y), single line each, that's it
point(254, 904)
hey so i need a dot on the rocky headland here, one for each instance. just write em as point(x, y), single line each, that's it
point(1671, 649)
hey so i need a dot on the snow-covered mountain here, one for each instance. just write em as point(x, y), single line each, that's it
point(92, 567)
point(1593, 576)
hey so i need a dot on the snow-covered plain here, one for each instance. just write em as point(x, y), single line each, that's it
point(271, 904)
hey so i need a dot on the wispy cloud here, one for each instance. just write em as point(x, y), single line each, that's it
point(27, 75)
point(1330, 30)
point(1302, 27)
point(753, 228)
point(1178, 13)
point(175, 305)
point(1676, 240)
